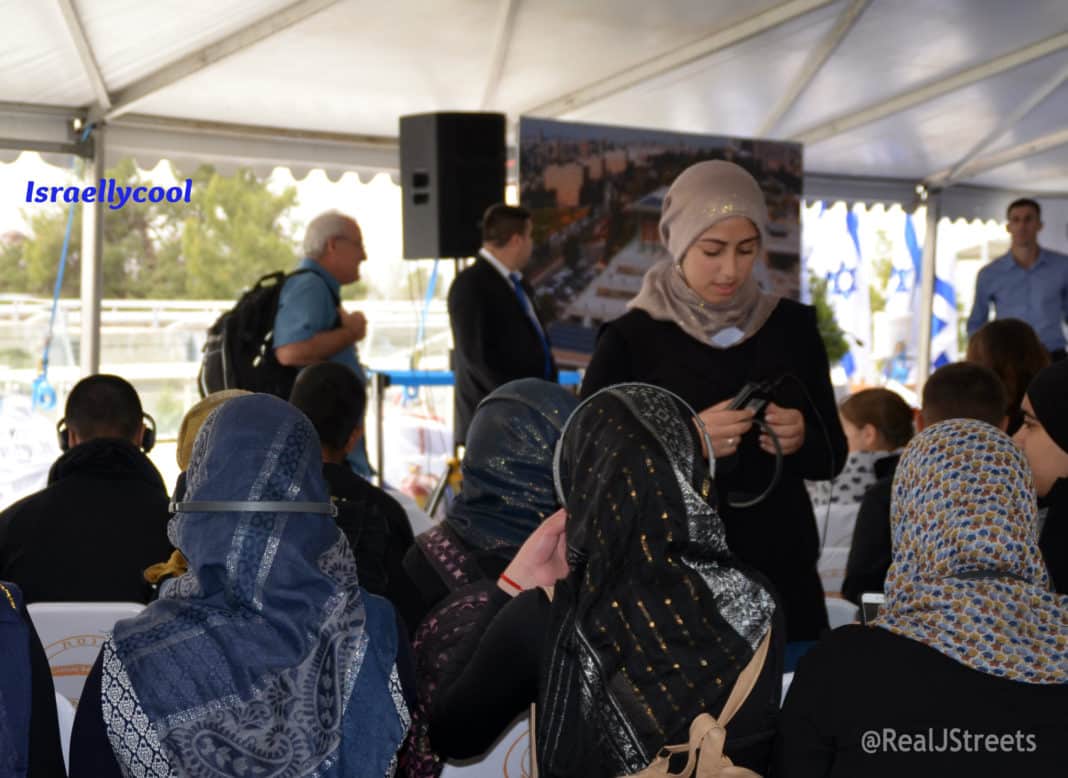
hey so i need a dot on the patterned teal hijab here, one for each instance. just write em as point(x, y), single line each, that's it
point(266, 659)
point(967, 578)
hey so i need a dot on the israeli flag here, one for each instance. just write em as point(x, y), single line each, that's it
point(836, 257)
point(906, 264)
point(944, 307)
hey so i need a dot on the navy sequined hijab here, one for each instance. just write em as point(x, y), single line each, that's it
point(507, 469)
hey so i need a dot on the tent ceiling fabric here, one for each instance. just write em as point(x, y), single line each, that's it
point(327, 90)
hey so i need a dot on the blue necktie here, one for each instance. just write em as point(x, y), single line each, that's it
point(524, 301)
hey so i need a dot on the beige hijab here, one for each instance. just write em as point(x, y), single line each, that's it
point(194, 419)
point(702, 195)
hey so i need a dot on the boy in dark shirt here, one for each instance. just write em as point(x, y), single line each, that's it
point(377, 528)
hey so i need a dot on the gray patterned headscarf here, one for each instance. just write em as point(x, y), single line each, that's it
point(657, 618)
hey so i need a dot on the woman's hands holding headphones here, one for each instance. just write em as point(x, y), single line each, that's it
point(788, 424)
point(541, 560)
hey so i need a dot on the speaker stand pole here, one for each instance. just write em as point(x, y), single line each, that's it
point(380, 385)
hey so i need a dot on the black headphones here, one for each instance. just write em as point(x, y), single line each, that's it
point(148, 440)
point(558, 453)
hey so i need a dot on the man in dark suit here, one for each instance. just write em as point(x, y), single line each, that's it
point(496, 331)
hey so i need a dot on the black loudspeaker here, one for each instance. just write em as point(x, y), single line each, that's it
point(452, 169)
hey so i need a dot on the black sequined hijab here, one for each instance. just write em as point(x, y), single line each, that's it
point(657, 619)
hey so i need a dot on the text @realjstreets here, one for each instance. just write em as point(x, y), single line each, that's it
point(107, 191)
point(946, 741)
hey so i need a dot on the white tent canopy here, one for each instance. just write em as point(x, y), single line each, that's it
point(876, 89)
point(885, 94)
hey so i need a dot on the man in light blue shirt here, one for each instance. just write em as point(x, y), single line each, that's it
point(1028, 283)
point(311, 326)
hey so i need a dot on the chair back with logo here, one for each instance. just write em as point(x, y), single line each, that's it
point(72, 634)
point(65, 715)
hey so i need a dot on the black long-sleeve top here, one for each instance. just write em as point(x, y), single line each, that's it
point(779, 535)
point(1054, 539)
point(862, 680)
point(380, 535)
point(497, 680)
point(870, 551)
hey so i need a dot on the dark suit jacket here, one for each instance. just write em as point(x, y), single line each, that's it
point(495, 341)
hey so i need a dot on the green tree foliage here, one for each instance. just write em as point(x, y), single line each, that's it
point(231, 232)
point(12, 264)
point(882, 267)
point(834, 339)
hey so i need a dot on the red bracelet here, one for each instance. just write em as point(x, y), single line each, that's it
point(510, 582)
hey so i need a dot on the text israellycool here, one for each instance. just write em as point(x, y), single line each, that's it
point(107, 191)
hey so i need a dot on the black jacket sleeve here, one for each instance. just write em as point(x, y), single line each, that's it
point(610, 363)
point(46, 757)
point(870, 551)
point(823, 454)
point(499, 677)
point(368, 534)
point(90, 750)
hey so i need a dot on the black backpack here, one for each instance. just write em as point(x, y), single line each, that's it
point(239, 351)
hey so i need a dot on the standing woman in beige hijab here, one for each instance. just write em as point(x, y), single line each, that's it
point(703, 328)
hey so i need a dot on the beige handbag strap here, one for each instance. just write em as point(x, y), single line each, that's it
point(702, 727)
point(745, 682)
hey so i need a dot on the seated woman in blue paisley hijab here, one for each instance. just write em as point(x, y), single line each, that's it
point(266, 657)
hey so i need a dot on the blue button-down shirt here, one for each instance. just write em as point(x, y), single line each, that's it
point(305, 308)
point(1038, 295)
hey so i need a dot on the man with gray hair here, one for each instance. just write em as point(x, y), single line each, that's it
point(311, 326)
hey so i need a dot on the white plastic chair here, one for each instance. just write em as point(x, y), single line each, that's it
point(840, 612)
point(72, 634)
point(65, 712)
point(836, 532)
point(510, 757)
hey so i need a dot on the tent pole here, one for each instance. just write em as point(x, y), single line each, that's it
point(92, 262)
point(930, 259)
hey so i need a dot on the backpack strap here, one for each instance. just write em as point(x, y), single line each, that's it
point(333, 295)
point(454, 565)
